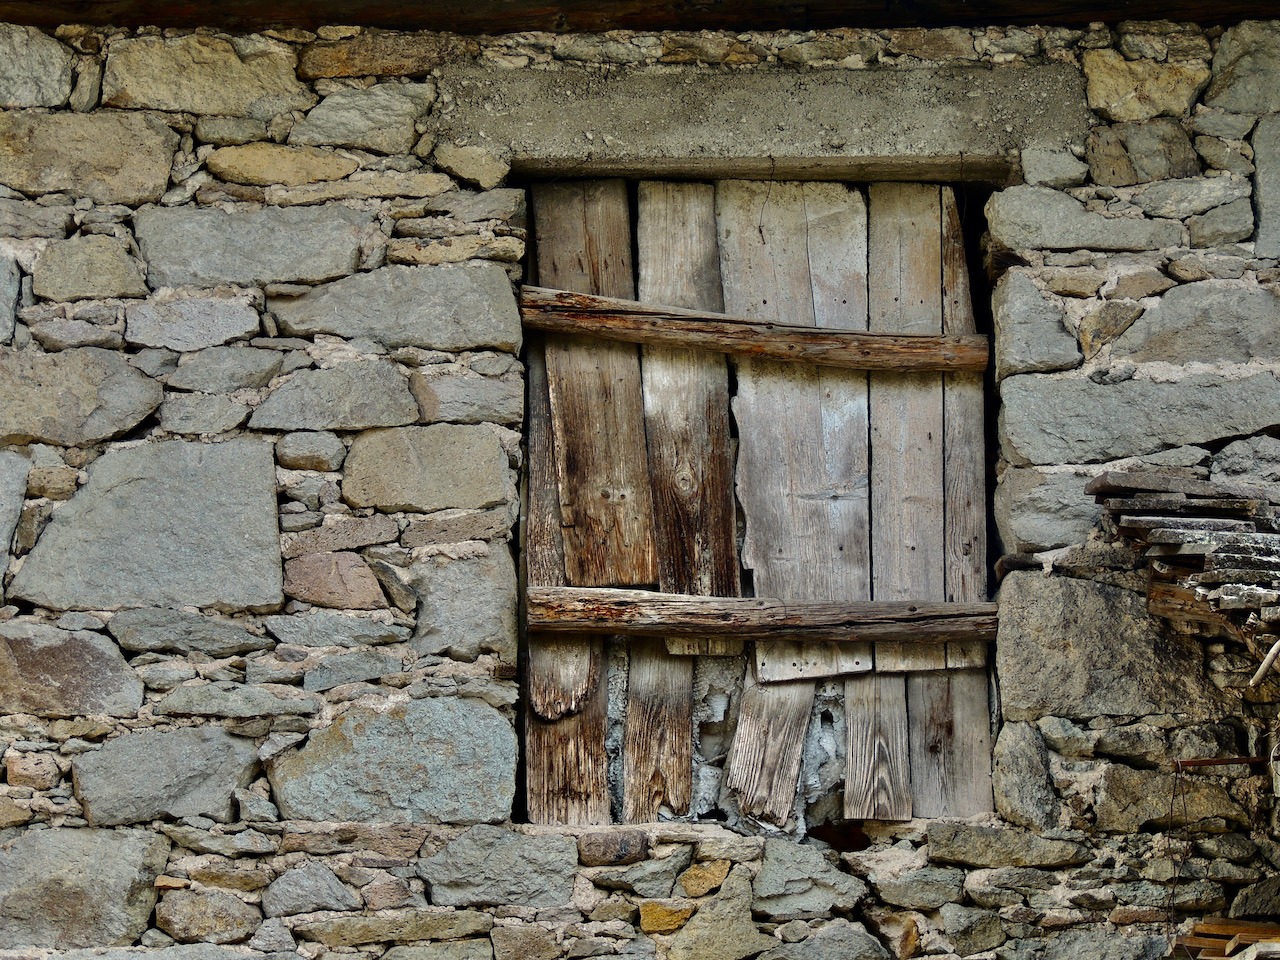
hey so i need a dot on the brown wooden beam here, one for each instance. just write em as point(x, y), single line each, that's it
point(559, 311)
point(646, 613)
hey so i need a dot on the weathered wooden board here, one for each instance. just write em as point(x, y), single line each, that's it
point(648, 613)
point(584, 244)
point(583, 235)
point(950, 735)
point(559, 311)
point(794, 253)
point(686, 413)
point(877, 781)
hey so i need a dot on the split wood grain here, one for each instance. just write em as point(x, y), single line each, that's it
point(795, 253)
point(877, 777)
point(558, 311)
point(649, 613)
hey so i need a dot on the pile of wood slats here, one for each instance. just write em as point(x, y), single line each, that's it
point(1213, 549)
point(1219, 937)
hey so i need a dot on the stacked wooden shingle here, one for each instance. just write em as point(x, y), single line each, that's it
point(1239, 939)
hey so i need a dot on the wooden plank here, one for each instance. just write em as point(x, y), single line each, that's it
point(566, 761)
point(793, 253)
point(777, 661)
point(877, 761)
point(964, 445)
point(558, 311)
point(584, 243)
point(686, 412)
point(650, 613)
point(714, 646)
point(950, 734)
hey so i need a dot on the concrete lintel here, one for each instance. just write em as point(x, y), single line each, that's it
point(946, 123)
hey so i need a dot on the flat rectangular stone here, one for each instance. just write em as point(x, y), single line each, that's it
point(956, 122)
point(1266, 193)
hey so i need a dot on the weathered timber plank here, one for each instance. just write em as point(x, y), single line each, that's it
point(714, 646)
point(794, 253)
point(964, 445)
point(566, 766)
point(877, 784)
point(791, 660)
point(950, 736)
point(558, 311)
point(648, 613)
point(584, 242)
point(686, 410)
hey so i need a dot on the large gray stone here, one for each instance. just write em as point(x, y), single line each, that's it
point(184, 951)
point(87, 268)
point(206, 247)
point(466, 607)
point(1045, 219)
point(451, 396)
point(35, 69)
point(111, 157)
point(78, 888)
point(1030, 333)
point(1105, 944)
point(157, 630)
point(722, 929)
point(320, 628)
point(207, 915)
point(1230, 223)
point(235, 700)
point(1020, 778)
point(925, 888)
point(175, 523)
point(201, 413)
point(72, 397)
point(241, 76)
point(10, 289)
point(1229, 320)
point(437, 760)
point(153, 774)
point(13, 489)
point(1037, 509)
point(933, 121)
point(426, 468)
point(24, 220)
point(305, 889)
point(335, 670)
point(796, 882)
point(979, 846)
point(651, 878)
point(440, 308)
point(494, 865)
point(380, 118)
point(1129, 153)
point(1246, 68)
point(61, 673)
point(1253, 460)
point(838, 940)
point(224, 369)
point(1078, 421)
point(191, 323)
point(1108, 655)
point(1266, 190)
point(1186, 198)
point(1128, 801)
point(350, 396)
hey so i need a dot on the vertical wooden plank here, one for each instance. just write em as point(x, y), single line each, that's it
point(794, 253)
point(950, 743)
point(877, 780)
point(957, 738)
point(686, 409)
point(584, 244)
point(566, 771)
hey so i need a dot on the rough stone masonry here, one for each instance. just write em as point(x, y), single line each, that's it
point(260, 408)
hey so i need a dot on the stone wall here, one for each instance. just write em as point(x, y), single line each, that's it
point(260, 401)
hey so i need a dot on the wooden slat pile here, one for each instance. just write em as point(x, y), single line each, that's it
point(1219, 937)
point(1213, 549)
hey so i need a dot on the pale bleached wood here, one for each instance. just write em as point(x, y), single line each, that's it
point(559, 311)
point(787, 251)
point(905, 296)
point(649, 613)
point(950, 735)
point(584, 244)
point(778, 661)
point(964, 445)
point(567, 770)
point(686, 411)
point(877, 760)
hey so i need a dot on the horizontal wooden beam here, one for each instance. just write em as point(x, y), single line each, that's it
point(559, 311)
point(644, 613)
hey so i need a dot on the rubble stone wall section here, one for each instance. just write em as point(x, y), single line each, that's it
point(260, 403)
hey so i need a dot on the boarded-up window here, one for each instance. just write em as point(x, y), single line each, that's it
point(802, 364)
